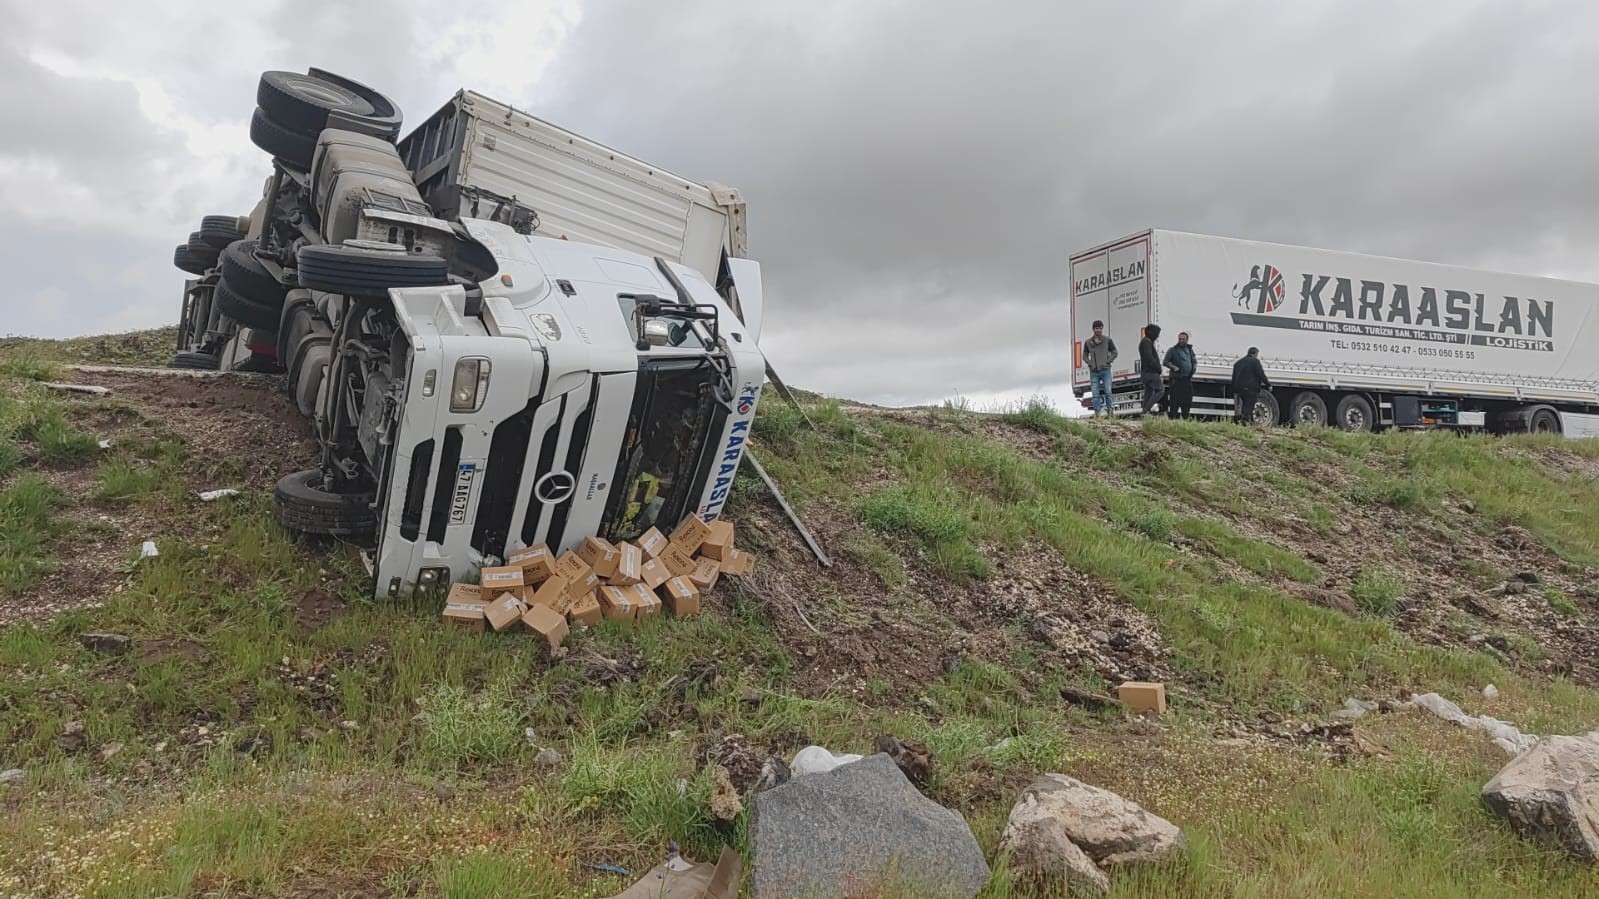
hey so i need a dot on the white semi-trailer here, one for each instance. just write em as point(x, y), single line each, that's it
point(1355, 341)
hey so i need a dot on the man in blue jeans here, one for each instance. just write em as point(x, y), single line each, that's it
point(1099, 354)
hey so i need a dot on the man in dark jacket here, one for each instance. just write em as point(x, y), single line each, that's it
point(1179, 362)
point(1249, 379)
point(1099, 354)
point(1149, 367)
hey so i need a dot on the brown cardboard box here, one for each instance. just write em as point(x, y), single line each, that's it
point(653, 543)
point(572, 568)
point(655, 573)
point(505, 610)
point(587, 585)
point(547, 623)
point(677, 561)
point(718, 540)
point(466, 593)
point(618, 603)
point(536, 562)
point(503, 578)
point(584, 609)
point(601, 555)
point(682, 598)
point(629, 565)
point(553, 593)
point(705, 573)
point(649, 603)
point(737, 563)
point(464, 607)
point(1140, 696)
point(690, 534)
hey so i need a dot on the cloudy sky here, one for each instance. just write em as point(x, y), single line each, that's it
point(917, 173)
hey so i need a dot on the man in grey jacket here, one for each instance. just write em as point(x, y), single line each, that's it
point(1099, 354)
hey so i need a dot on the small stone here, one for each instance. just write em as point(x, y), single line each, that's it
point(750, 696)
point(109, 750)
point(1515, 588)
point(203, 730)
point(1527, 577)
point(349, 725)
point(161, 746)
point(558, 653)
point(912, 757)
point(1099, 636)
point(547, 758)
point(71, 737)
point(11, 776)
point(774, 773)
point(444, 792)
point(1490, 692)
point(106, 644)
point(528, 735)
point(1468, 507)
point(1477, 638)
point(725, 804)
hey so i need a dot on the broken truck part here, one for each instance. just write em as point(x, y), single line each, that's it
point(505, 334)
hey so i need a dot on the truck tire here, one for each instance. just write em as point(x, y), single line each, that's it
point(248, 278)
point(243, 310)
point(220, 230)
point(201, 249)
point(355, 271)
point(187, 261)
point(194, 362)
point(1354, 413)
point(1544, 420)
point(301, 103)
point(284, 145)
point(300, 504)
point(1307, 408)
point(1267, 411)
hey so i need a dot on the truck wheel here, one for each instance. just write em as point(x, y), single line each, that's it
point(246, 312)
point(1354, 413)
point(1267, 412)
point(200, 249)
point(194, 362)
point(1544, 421)
point(300, 504)
point(1307, 408)
point(248, 278)
point(220, 230)
point(187, 261)
point(287, 146)
point(356, 271)
point(301, 103)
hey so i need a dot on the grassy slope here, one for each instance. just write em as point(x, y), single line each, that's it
point(258, 754)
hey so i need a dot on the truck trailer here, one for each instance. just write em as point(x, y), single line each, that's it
point(1349, 340)
point(505, 334)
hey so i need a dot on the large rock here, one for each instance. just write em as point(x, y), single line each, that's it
point(1550, 794)
point(857, 829)
point(1041, 853)
point(1110, 829)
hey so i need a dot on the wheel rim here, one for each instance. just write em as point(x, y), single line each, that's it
point(1308, 414)
point(1354, 418)
point(1263, 414)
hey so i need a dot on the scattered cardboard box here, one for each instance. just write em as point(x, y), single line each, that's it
point(501, 578)
point(629, 565)
point(737, 563)
point(682, 598)
point(1141, 696)
point(554, 593)
point(618, 603)
point(464, 607)
point(585, 609)
point(677, 561)
point(505, 610)
point(537, 563)
point(655, 574)
point(584, 587)
point(705, 573)
point(653, 543)
point(572, 568)
point(649, 603)
point(547, 623)
point(718, 540)
point(601, 555)
point(690, 534)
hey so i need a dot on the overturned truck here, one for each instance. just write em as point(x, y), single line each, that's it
point(504, 334)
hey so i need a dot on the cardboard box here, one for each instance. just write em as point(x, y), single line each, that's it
point(504, 611)
point(690, 534)
point(1140, 696)
point(547, 623)
point(584, 609)
point(466, 593)
point(618, 603)
point(537, 563)
point(655, 573)
point(682, 598)
point(737, 563)
point(629, 566)
point(572, 568)
point(554, 593)
point(677, 561)
point(649, 603)
point(584, 587)
point(653, 543)
point(464, 607)
point(705, 573)
point(500, 579)
point(600, 554)
point(718, 540)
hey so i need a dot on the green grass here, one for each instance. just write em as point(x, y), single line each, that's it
point(29, 515)
point(1377, 591)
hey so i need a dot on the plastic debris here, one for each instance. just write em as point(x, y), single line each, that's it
point(78, 388)
point(105, 444)
point(1354, 708)
point(148, 550)
point(816, 760)
point(210, 495)
point(1490, 692)
point(678, 878)
point(1504, 735)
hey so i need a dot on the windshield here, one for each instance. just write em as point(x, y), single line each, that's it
point(663, 451)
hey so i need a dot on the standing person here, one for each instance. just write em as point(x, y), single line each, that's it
point(1180, 362)
point(1249, 379)
point(1099, 354)
point(1149, 368)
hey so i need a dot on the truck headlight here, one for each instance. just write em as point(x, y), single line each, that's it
point(470, 385)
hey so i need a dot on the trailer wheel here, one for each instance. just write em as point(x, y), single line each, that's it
point(1354, 413)
point(1544, 421)
point(301, 504)
point(357, 271)
point(243, 310)
point(220, 230)
point(301, 103)
point(194, 362)
point(1267, 412)
point(285, 145)
point(1307, 408)
point(248, 278)
point(200, 249)
point(187, 261)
